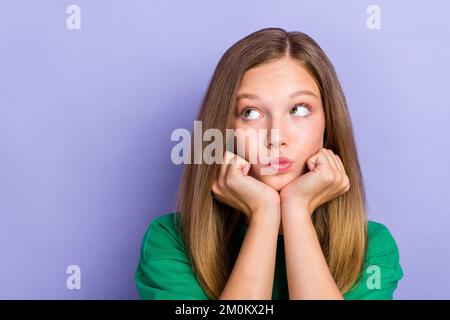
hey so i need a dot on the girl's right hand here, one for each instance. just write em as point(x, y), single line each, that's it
point(237, 189)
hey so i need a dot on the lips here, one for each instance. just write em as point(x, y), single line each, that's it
point(280, 161)
point(280, 164)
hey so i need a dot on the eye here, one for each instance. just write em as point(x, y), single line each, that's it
point(250, 114)
point(301, 110)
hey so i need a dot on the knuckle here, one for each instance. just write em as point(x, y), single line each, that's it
point(346, 180)
point(346, 184)
point(233, 159)
point(219, 182)
point(215, 187)
point(328, 177)
point(227, 158)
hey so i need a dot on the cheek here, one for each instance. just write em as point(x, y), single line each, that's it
point(308, 140)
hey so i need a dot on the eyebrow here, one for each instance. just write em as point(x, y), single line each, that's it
point(292, 95)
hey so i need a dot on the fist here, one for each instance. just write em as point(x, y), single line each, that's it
point(236, 188)
point(325, 181)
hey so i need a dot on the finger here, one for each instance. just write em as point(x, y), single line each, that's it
point(318, 160)
point(341, 165)
point(241, 165)
point(334, 167)
point(214, 188)
point(227, 157)
point(331, 163)
point(311, 162)
point(337, 169)
point(236, 165)
point(343, 169)
point(234, 159)
point(217, 194)
point(334, 161)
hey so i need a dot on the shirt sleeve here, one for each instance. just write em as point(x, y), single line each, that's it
point(164, 270)
point(382, 269)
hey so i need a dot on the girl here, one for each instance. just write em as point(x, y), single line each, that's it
point(300, 233)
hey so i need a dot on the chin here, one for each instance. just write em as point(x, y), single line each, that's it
point(277, 181)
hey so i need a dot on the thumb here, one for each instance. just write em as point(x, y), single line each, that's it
point(246, 168)
point(239, 165)
point(242, 165)
point(316, 161)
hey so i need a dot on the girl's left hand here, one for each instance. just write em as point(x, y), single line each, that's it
point(325, 181)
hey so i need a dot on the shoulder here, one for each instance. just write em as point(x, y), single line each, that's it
point(167, 222)
point(163, 255)
point(376, 228)
point(382, 269)
point(162, 237)
point(380, 242)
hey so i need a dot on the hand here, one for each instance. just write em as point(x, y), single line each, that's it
point(237, 189)
point(325, 181)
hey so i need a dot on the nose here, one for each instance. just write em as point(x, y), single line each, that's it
point(276, 135)
point(276, 145)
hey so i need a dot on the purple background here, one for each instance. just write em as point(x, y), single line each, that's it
point(86, 117)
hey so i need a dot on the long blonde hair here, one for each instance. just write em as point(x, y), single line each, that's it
point(208, 227)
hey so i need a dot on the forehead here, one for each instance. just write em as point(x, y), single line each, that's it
point(280, 76)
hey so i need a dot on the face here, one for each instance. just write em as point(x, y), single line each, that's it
point(278, 95)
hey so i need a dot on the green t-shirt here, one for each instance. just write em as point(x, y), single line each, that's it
point(164, 270)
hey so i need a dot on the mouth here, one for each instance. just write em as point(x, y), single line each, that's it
point(281, 164)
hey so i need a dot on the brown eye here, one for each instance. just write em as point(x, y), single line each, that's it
point(250, 114)
point(301, 110)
